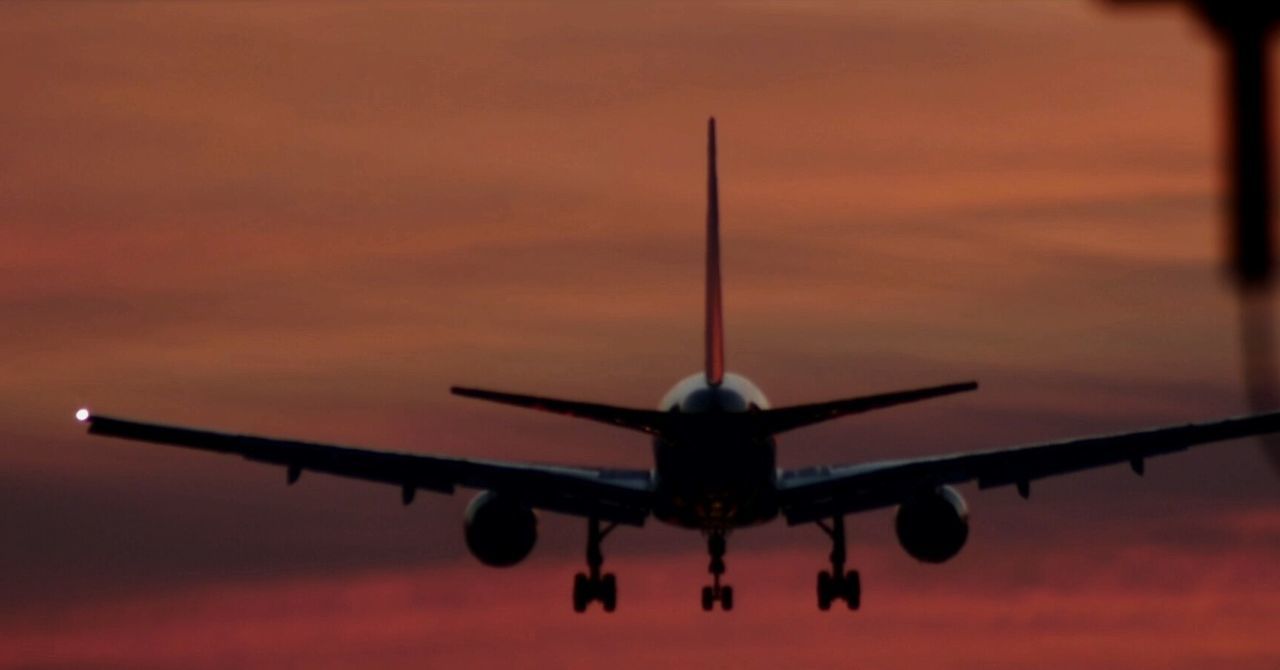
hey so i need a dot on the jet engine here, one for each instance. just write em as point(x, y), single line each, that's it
point(500, 530)
point(933, 527)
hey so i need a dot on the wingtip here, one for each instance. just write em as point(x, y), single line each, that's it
point(468, 392)
point(83, 415)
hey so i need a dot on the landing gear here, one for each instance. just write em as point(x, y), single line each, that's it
point(716, 592)
point(838, 584)
point(832, 588)
point(593, 585)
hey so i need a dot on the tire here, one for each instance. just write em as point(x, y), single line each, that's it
point(825, 582)
point(609, 592)
point(708, 599)
point(726, 598)
point(853, 590)
point(580, 593)
point(824, 590)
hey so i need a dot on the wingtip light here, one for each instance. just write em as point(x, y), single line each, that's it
point(82, 415)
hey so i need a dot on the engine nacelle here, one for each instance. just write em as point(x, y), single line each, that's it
point(933, 527)
point(500, 530)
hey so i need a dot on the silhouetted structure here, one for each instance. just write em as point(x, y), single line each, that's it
point(1244, 28)
point(1258, 355)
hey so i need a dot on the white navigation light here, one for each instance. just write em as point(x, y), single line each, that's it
point(82, 414)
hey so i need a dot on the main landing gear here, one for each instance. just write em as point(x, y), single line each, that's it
point(594, 586)
point(716, 592)
point(838, 584)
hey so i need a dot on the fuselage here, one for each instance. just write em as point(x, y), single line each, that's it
point(719, 471)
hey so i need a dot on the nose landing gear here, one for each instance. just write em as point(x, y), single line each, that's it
point(716, 592)
point(838, 584)
point(593, 585)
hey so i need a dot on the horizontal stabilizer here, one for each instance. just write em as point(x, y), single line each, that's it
point(647, 421)
point(783, 419)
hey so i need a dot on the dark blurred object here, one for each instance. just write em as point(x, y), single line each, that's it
point(1243, 28)
point(1258, 353)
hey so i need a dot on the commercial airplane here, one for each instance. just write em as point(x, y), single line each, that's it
point(715, 467)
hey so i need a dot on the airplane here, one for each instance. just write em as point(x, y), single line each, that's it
point(714, 467)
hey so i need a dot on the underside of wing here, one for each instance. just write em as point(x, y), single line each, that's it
point(621, 496)
point(822, 492)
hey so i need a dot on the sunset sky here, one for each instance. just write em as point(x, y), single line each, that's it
point(309, 219)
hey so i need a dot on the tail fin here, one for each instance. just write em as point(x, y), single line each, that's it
point(715, 312)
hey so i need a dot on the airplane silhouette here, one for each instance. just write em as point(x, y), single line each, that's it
point(715, 467)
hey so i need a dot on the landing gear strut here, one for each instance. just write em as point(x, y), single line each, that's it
point(593, 585)
point(838, 584)
point(716, 592)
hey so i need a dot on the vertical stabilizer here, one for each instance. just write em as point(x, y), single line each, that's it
point(715, 312)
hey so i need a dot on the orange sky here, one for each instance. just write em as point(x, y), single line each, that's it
point(310, 219)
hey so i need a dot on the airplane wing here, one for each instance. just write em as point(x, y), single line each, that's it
point(621, 496)
point(814, 493)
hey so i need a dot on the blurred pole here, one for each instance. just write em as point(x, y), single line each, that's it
point(1258, 358)
point(1243, 31)
point(1244, 38)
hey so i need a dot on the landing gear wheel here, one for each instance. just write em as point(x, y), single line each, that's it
point(609, 592)
point(824, 590)
point(838, 584)
point(853, 589)
point(593, 585)
point(581, 593)
point(722, 594)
